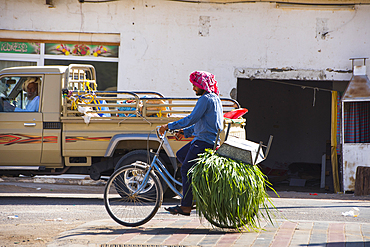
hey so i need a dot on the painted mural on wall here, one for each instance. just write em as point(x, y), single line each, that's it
point(19, 47)
point(81, 50)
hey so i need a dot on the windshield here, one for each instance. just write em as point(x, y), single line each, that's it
point(7, 84)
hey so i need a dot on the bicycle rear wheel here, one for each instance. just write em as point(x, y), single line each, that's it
point(127, 208)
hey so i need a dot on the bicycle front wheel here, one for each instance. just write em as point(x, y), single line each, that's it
point(126, 207)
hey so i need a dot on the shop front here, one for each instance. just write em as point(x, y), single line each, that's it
point(356, 125)
point(17, 48)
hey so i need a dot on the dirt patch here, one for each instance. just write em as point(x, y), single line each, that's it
point(38, 234)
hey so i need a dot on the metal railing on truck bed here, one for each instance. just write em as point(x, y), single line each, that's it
point(81, 98)
point(127, 104)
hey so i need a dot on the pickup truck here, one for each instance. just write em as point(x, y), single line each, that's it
point(80, 130)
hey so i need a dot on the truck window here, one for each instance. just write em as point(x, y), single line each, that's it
point(20, 94)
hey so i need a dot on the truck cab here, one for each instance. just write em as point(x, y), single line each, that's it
point(30, 139)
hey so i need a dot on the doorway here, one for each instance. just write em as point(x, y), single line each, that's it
point(298, 117)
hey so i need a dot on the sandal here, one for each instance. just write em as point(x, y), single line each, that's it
point(176, 210)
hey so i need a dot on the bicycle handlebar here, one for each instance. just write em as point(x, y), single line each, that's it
point(173, 132)
point(157, 132)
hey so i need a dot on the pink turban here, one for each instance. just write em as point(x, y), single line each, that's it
point(204, 80)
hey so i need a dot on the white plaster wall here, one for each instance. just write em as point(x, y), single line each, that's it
point(354, 155)
point(161, 44)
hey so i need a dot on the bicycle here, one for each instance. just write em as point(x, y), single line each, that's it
point(133, 194)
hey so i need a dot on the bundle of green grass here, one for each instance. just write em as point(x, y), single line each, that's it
point(229, 193)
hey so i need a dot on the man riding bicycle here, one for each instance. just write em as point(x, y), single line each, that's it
point(203, 124)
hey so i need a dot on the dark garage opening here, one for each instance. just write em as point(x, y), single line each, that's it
point(299, 119)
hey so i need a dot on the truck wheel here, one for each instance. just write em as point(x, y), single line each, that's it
point(142, 157)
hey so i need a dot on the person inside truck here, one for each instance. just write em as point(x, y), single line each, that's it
point(203, 123)
point(31, 86)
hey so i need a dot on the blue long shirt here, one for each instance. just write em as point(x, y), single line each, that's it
point(204, 121)
point(31, 106)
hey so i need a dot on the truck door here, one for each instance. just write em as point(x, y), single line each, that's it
point(20, 120)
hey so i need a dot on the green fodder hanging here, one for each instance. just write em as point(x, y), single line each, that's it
point(229, 193)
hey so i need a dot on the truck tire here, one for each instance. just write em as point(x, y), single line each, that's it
point(142, 156)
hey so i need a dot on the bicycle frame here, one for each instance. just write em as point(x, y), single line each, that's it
point(161, 169)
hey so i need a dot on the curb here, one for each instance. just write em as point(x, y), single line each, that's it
point(55, 180)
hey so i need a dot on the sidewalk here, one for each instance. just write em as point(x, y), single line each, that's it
point(190, 231)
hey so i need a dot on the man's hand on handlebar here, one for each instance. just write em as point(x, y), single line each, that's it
point(162, 129)
point(178, 134)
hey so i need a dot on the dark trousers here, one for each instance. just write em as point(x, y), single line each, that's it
point(186, 155)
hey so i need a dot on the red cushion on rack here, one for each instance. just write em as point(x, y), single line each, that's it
point(234, 114)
